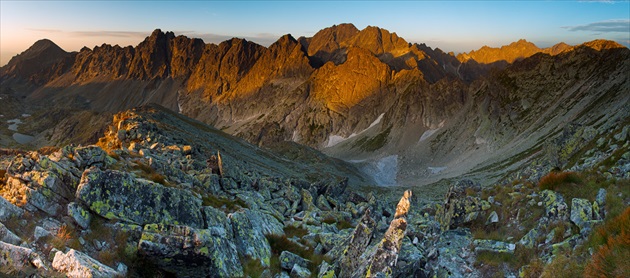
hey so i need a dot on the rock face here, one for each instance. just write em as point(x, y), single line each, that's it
point(117, 195)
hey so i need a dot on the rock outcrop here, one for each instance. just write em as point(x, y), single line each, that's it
point(190, 252)
point(75, 264)
point(117, 195)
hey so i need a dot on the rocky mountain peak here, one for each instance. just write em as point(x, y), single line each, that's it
point(33, 64)
point(328, 41)
point(508, 53)
point(377, 40)
point(600, 45)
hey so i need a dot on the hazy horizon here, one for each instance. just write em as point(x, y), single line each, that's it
point(450, 26)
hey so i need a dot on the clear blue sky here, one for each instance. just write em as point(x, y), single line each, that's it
point(450, 25)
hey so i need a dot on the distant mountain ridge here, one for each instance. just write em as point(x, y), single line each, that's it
point(361, 95)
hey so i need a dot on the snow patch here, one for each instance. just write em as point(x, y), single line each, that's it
point(295, 137)
point(336, 139)
point(383, 171)
point(428, 134)
point(13, 124)
point(26, 115)
point(479, 140)
point(375, 122)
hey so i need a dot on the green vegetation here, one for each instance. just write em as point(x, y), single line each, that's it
point(370, 144)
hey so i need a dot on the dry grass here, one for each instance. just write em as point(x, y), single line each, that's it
point(146, 171)
point(48, 150)
point(563, 266)
point(282, 243)
point(65, 235)
point(612, 257)
point(291, 231)
point(555, 180)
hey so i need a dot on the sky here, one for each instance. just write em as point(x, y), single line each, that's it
point(458, 26)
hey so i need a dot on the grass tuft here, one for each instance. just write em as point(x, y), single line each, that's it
point(223, 203)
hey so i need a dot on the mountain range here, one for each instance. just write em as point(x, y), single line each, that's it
point(406, 113)
point(177, 158)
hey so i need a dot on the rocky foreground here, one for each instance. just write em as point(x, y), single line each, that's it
point(154, 200)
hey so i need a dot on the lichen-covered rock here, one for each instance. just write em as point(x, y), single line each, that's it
point(307, 201)
point(581, 212)
point(359, 240)
point(79, 265)
point(249, 237)
point(493, 246)
point(411, 260)
point(386, 256)
point(40, 183)
point(263, 222)
point(288, 260)
point(299, 272)
point(331, 240)
point(40, 233)
point(323, 204)
point(8, 210)
point(555, 206)
point(18, 261)
point(326, 271)
point(190, 252)
point(81, 216)
point(458, 208)
point(566, 245)
point(384, 260)
point(529, 239)
point(451, 257)
point(89, 156)
point(256, 201)
point(599, 212)
point(118, 195)
point(8, 236)
point(492, 218)
point(217, 220)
